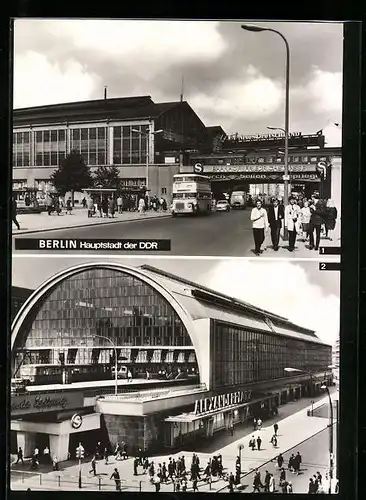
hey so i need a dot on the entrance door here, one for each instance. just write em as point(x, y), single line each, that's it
point(168, 435)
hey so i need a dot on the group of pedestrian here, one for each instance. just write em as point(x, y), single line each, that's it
point(121, 451)
point(302, 218)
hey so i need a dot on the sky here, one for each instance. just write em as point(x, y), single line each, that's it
point(232, 77)
point(296, 290)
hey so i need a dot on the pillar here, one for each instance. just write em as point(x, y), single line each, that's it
point(59, 446)
point(27, 442)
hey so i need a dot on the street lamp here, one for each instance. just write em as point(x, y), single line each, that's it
point(326, 388)
point(147, 135)
point(115, 362)
point(257, 29)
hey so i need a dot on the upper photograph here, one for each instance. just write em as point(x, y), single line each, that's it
point(204, 138)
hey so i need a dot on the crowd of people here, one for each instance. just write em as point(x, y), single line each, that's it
point(107, 206)
point(304, 219)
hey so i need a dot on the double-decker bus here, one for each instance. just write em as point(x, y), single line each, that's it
point(191, 194)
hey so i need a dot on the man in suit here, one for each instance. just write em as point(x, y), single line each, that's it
point(318, 210)
point(276, 215)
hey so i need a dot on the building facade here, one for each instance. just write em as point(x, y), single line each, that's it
point(119, 132)
point(199, 360)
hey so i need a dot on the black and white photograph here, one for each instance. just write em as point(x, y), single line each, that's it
point(223, 138)
point(172, 375)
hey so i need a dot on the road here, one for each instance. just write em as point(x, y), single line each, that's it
point(218, 234)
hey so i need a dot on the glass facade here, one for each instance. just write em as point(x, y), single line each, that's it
point(129, 146)
point(243, 356)
point(21, 149)
point(90, 143)
point(112, 304)
point(50, 147)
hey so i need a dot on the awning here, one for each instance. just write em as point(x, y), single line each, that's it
point(192, 417)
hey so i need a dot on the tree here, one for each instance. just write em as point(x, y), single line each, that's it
point(107, 177)
point(72, 175)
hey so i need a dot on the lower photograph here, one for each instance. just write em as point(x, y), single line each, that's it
point(173, 375)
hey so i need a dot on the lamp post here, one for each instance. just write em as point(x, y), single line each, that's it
point(147, 135)
point(257, 29)
point(330, 425)
point(115, 362)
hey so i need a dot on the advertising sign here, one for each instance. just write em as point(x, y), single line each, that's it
point(208, 405)
point(40, 403)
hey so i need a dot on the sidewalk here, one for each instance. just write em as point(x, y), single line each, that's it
point(34, 223)
point(293, 430)
point(301, 248)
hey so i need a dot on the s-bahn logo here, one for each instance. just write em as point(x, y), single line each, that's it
point(321, 169)
point(76, 421)
point(198, 168)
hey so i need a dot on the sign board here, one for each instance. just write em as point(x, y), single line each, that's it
point(40, 403)
point(274, 178)
point(221, 401)
point(259, 168)
point(76, 421)
point(198, 168)
point(169, 159)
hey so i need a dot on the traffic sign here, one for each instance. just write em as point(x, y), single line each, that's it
point(76, 421)
point(198, 168)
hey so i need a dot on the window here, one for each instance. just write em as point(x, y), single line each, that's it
point(110, 303)
point(163, 190)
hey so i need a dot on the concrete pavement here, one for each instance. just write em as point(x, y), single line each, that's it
point(293, 430)
point(36, 223)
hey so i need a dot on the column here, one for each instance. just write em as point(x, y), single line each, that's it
point(59, 446)
point(27, 442)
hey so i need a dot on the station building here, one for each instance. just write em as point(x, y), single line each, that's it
point(120, 132)
point(199, 360)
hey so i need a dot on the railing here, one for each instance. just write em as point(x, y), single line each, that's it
point(37, 480)
point(153, 394)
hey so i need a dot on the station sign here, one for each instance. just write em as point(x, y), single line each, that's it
point(221, 401)
point(39, 403)
point(265, 168)
point(273, 177)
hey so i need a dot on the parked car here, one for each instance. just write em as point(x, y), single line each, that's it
point(222, 206)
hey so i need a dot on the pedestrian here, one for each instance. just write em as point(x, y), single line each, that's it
point(54, 462)
point(318, 210)
point(93, 464)
point(125, 451)
point(157, 482)
point(272, 484)
point(120, 204)
point(316, 483)
point(14, 213)
point(135, 465)
point(330, 219)
point(164, 477)
point(260, 226)
point(69, 206)
point(275, 427)
point(105, 454)
point(292, 222)
point(254, 424)
point(297, 463)
point(36, 454)
point(267, 478)
point(280, 461)
point(275, 217)
point(34, 463)
point(20, 456)
point(141, 206)
point(305, 215)
point(274, 441)
point(257, 483)
point(232, 429)
point(252, 443)
point(231, 482)
point(170, 469)
point(291, 463)
point(90, 206)
point(129, 376)
point(311, 488)
point(259, 442)
point(115, 475)
point(151, 471)
point(83, 202)
point(259, 424)
point(289, 488)
point(282, 476)
point(111, 206)
point(195, 485)
point(46, 455)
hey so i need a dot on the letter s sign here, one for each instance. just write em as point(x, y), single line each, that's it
point(198, 168)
